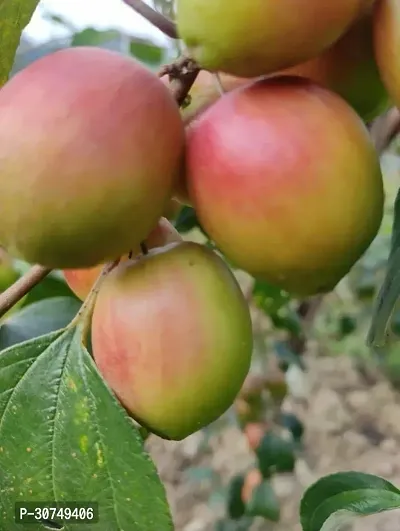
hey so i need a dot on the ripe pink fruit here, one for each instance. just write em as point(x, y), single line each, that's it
point(286, 181)
point(172, 337)
point(90, 146)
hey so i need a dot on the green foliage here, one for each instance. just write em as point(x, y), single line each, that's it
point(63, 436)
point(264, 502)
point(235, 505)
point(93, 37)
point(337, 499)
point(147, 52)
point(37, 319)
point(14, 16)
point(275, 454)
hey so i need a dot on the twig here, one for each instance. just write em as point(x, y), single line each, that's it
point(21, 287)
point(158, 20)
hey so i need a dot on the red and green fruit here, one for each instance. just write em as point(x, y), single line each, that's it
point(286, 181)
point(81, 281)
point(172, 337)
point(85, 156)
point(387, 44)
point(349, 68)
point(251, 38)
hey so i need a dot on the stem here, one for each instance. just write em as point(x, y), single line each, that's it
point(21, 287)
point(87, 307)
point(158, 20)
point(182, 74)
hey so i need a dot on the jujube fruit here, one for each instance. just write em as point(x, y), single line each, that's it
point(172, 337)
point(254, 37)
point(349, 68)
point(285, 179)
point(81, 281)
point(90, 145)
point(387, 44)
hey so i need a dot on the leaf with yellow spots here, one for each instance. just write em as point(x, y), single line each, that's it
point(64, 437)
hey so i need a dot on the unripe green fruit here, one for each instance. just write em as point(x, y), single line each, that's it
point(254, 37)
point(81, 281)
point(387, 44)
point(286, 181)
point(349, 68)
point(172, 337)
point(90, 146)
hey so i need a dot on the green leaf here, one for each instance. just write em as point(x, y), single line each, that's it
point(264, 502)
point(147, 52)
point(235, 504)
point(390, 291)
point(94, 37)
point(269, 298)
point(275, 454)
point(14, 16)
point(347, 325)
point(337, 499)
point(64, 437)
point(38, 319)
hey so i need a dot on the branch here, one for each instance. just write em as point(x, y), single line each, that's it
point(154, 17)
point(21, 287)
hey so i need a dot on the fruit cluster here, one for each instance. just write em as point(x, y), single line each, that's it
point(279, 168)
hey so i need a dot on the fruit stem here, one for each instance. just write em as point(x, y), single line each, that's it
point(21, 287)
point(84, 316)
point(182, 74)
point(158, 20)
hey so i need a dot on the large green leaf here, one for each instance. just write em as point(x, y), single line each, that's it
point(14, 16)
point(336, 500)
point(38, 319)
point(64, 437)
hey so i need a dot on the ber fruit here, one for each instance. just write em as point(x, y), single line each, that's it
point(285, 179)
point(90, 146)
point(81, 281)
point(387, 44)
point(349, 68)
point(254, 37)
point(172, 337)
